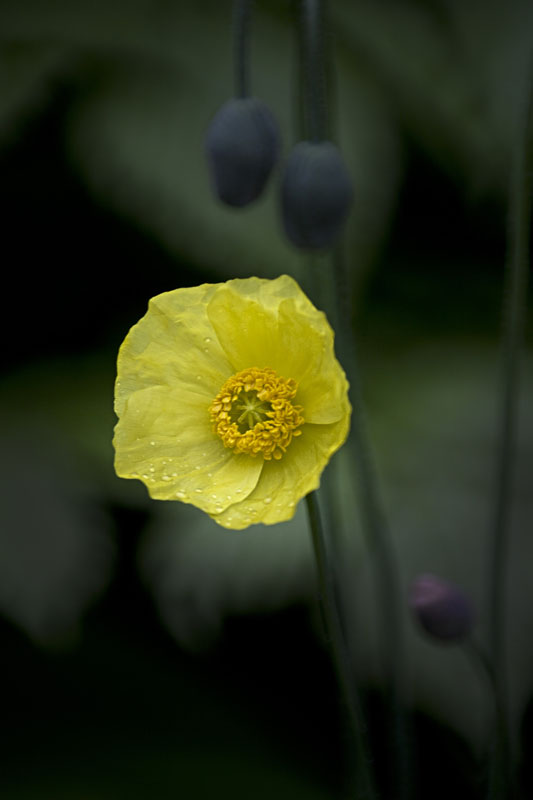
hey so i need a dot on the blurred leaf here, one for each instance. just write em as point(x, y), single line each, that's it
point(26, 74)
point(454, 77)
point(200, 574)
point(55, 548)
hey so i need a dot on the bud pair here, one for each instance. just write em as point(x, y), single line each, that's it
point(242, 146)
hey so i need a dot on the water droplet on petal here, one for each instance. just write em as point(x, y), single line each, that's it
point(218, 509)
point(165, 477)
point(267, 500)
point(181, 495)
point(198, 491)
point(207, 339)
point(152, 443)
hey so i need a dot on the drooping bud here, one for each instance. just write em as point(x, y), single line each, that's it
point(316, 195)
point(242, 146)
point(443, 610)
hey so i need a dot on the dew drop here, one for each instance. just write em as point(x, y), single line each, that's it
point(198, 377)
point(198, 491)
point(181, 495)
point(165, 477)
point(174, 474)
point(207, 339)
point(145, 476)
point(197, 467)
point(152, 443)
point(214, 496)
point(209, 474)
point(291, 505)
point(267, 500)
point(238, 491)
point(218, 509)
point(152, 469)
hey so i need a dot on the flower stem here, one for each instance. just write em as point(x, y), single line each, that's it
point(515, 299)
point(379, 541)
point(241, 25)
point(315, 83)
point(338, 649)
point(501, 782)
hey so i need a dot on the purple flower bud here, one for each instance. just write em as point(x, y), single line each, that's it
point(242, 146)
point(442, 609)
point(316, 195)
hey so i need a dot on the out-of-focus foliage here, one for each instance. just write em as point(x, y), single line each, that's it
point(199, 577)
point(55, 547)
point(27, 70)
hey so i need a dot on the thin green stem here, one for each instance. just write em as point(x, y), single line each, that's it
point(339, 651)
point(241, 26)
point(379, 540)
point(501, 781)
point(373, 513)
point(514, 311)
point(315, 82)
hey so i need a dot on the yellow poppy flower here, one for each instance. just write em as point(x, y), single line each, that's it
point(229, 397)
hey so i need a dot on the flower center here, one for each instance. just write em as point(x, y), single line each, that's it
point(253, 413)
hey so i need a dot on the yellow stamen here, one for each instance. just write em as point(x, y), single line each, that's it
point(253, 413)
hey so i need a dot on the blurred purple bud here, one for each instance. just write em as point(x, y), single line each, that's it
point(242, 146)
point(442, 609)
point(316, 195)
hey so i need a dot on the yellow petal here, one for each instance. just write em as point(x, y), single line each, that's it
point(164, 439)
point(283, 483)
point(173, 345)
point(278, 327)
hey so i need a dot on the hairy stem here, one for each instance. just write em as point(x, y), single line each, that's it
point(379, 541)
point(241, 26)
point(338, 649)
point(514, 310)
point(315, 80)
